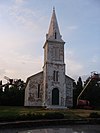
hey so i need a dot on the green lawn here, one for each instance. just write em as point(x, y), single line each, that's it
point(12, 113)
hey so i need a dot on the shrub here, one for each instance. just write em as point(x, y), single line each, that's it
point(31, 116)
point(54, 115)
point(39, 116)
point(94, 115)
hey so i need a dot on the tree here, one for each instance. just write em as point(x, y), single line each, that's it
point(13, 95)
point(79, 85)
point(92, 93)
point(78, 88)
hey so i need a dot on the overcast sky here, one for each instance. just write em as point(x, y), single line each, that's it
point(23, 27)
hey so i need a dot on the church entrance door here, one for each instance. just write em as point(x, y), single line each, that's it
point(55, 96)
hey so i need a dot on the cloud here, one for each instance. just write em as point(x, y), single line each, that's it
point(95, 59)
point(28, 22)
point(74, 66)
point(23, 30)
point(21, 14)
point(28, 18)
point(2, 72)
point(23, 33)
point(20, 66)
point(70, 30)
point(19, 1)
point(73, 27)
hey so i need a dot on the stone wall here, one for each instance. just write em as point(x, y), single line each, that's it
point(69, 91)
point(34, 90)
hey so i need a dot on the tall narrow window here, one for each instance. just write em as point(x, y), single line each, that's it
point(38, 93)
point(55, 75)
point(55, 35)
point(57, 56)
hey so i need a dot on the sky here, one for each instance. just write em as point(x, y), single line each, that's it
point(23, 28)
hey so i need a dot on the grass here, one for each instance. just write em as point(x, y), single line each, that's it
point(13, 113)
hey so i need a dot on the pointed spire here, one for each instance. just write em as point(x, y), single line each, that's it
point(54, 33)
point(53, 8)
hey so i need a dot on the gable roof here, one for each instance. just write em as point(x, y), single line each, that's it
point(69, 77)
point(33, 76)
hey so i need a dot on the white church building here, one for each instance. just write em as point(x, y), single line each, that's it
point(51, 88)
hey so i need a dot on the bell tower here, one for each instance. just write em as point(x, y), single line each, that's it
point(54, 67)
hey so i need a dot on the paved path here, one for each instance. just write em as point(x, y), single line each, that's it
point(57, 129)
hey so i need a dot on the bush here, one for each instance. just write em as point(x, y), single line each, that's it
point(54, 115)
point(94, 115)
point(31, 116)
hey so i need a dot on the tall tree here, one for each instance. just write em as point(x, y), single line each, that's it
point(78, 88)
point(79, 85)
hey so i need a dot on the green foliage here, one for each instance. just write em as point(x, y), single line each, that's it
point(31, 116)
point(91, 93)
point(16, 113)
point(94, 115)
point(78, 87)
point(13, 95)
point(54, 115)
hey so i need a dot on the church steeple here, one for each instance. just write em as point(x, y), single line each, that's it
point(54, 33)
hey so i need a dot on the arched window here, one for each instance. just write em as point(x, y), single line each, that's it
point(55, 96)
